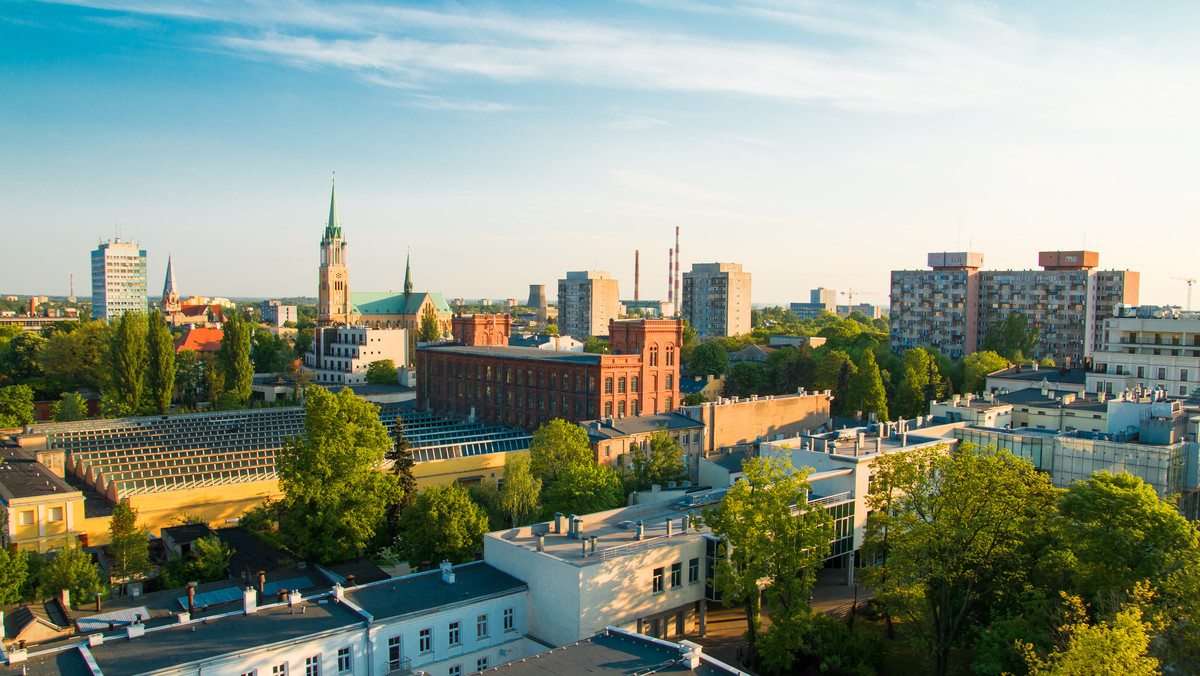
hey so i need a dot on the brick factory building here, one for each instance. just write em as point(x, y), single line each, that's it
point(526, 387)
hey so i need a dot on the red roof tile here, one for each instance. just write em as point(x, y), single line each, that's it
point(200, 340)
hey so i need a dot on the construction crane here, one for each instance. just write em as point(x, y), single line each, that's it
point(852, 293)
point(1190, 282)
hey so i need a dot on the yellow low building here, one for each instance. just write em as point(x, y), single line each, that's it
point(42, 512)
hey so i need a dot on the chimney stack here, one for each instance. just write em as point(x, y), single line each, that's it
point(670, 275)
point(191, 597)
point(641, 530)
point(678, 299)
point(250, 600)
point(350, 580)
point(637, 274)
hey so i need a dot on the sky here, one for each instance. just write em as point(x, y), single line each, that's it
point(504, 143)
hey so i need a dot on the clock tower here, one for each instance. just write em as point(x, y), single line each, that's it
point(333, 296)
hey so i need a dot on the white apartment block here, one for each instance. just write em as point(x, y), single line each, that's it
point(587, 300)
point(118, 279)
point(715, 298)
point(1150, 353)
point(341, 356)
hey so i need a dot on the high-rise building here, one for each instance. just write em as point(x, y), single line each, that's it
point(952, 305)
point(333, 289)
point(716, 299)
point(118, 279)
point(587, 300)
point(820, 299)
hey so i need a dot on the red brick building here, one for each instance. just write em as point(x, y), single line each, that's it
point(526, 387)
point(481, 329)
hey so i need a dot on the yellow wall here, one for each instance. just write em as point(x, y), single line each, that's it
point(29, 536)
point(214, 504)
point(443, 472)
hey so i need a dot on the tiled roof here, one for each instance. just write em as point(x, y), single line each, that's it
point(200, 340)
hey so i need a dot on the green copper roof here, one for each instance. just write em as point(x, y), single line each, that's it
point(407, 274)
point(334, 228)
point(369, 303)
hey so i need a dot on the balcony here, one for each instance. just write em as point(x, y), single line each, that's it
point(401, 667)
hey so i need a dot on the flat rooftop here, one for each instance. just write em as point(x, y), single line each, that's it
point(613, 653)
point(616, 428)
point(22, 476)
point(517, 353)
point(1073, 376)
point(425, 591)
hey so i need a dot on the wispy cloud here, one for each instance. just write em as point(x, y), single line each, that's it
point(637, 123)
point(944, 54)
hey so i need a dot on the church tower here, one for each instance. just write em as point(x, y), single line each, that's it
point(333, 296)
point(170, 297)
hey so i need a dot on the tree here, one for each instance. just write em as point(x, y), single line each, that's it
point(128, 359)
point(770, 534)
point(829, 370)
point(977, 366)
point(583, 488)
point(160, 376)
point(189, 376)
point(129, 549)
point(866, 392)
point(429, 325)
point(402, 469)
point(519, 494)
point(689, 342)
point(16, 406)
point(382, 372)
point(270, 353)
point(71, 569)
point(70, 407)
point(14, 569)
point(555, 446)
point(746, 378)
point(234, 357)
point(595, 345)
point(1014, 338)
point(659, 461)
point(335, 500)
point(708, 359)
point(210, 558)
point(1119, 645)
point(19, 359)
point(955, 534)
point(1120, 535)
point(75, 359)
point(443, 523)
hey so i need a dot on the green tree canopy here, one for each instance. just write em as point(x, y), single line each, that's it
point(14, 568)
point(866, 391)
point(234, 356)
point(75, 359)
point(160, 355)
point(430, 331)
point(746, 378)
point(555, 446)
point(951, 531)
point(335, 500)
point(442, 524)
point(70, 407)
point(708, 359)
point(71, 569)
point(19, 361)
point(382, 372)
point(659, 461)
point(128, 359)
point(583, 488)
point(1014, 338)
point(16, 406)
point(770, 536)
point(270, 353)
point(210, 558)
point(1119, 645)
point(129, 550)
point(977, 366)
point(519, 496)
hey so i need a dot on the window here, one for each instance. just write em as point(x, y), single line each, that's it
point(455, 633)
point(25, 518)
point(425, 640)
point(657, 583)
point(455, 670)
point(54, 514)
point(481, 664)
point(667, 405)
point(670, 356)
point(510, 623)
point(694, 571)
point(608, 385)
point(608, 409)
point(621, 385)
point(633, 407)
point(633, 384)
point(481, 626)
point(676, 574)
point(252, 672)
point(312, 666)
point(1183, 374)
point(621, 409)
point(670, 381)
point(345, 661)
point(279, 669)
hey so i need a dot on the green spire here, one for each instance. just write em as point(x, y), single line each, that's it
point(407, 275)
point(333, 229)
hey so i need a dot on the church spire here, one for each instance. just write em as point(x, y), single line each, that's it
point(407, 275)
point(170, 297)
point(334, 228)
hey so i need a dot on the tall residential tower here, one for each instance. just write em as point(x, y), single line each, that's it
point(716, 299)
point(118, 279)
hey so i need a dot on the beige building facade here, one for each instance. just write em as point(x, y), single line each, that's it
point(587, 301)
point(716, 299)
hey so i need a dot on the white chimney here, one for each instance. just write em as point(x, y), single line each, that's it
point(294, 598)
point(691, 652)
point(250, 600)
point(447, 572)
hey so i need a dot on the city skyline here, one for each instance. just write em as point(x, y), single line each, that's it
point(505, 144)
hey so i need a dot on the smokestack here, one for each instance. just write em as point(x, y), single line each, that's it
point(637, 269)
point(677, 297)
point(670, 274)
point(191, 597)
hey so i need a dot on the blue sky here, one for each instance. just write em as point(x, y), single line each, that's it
point(817, 143)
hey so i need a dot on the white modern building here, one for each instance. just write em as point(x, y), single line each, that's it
point(118, 279)
point(1153, 353)
point(276, 313)
point(341, 356)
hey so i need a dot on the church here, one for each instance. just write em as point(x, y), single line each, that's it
point(338, 306)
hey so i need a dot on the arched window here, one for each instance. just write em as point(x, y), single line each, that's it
point(621, 409)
